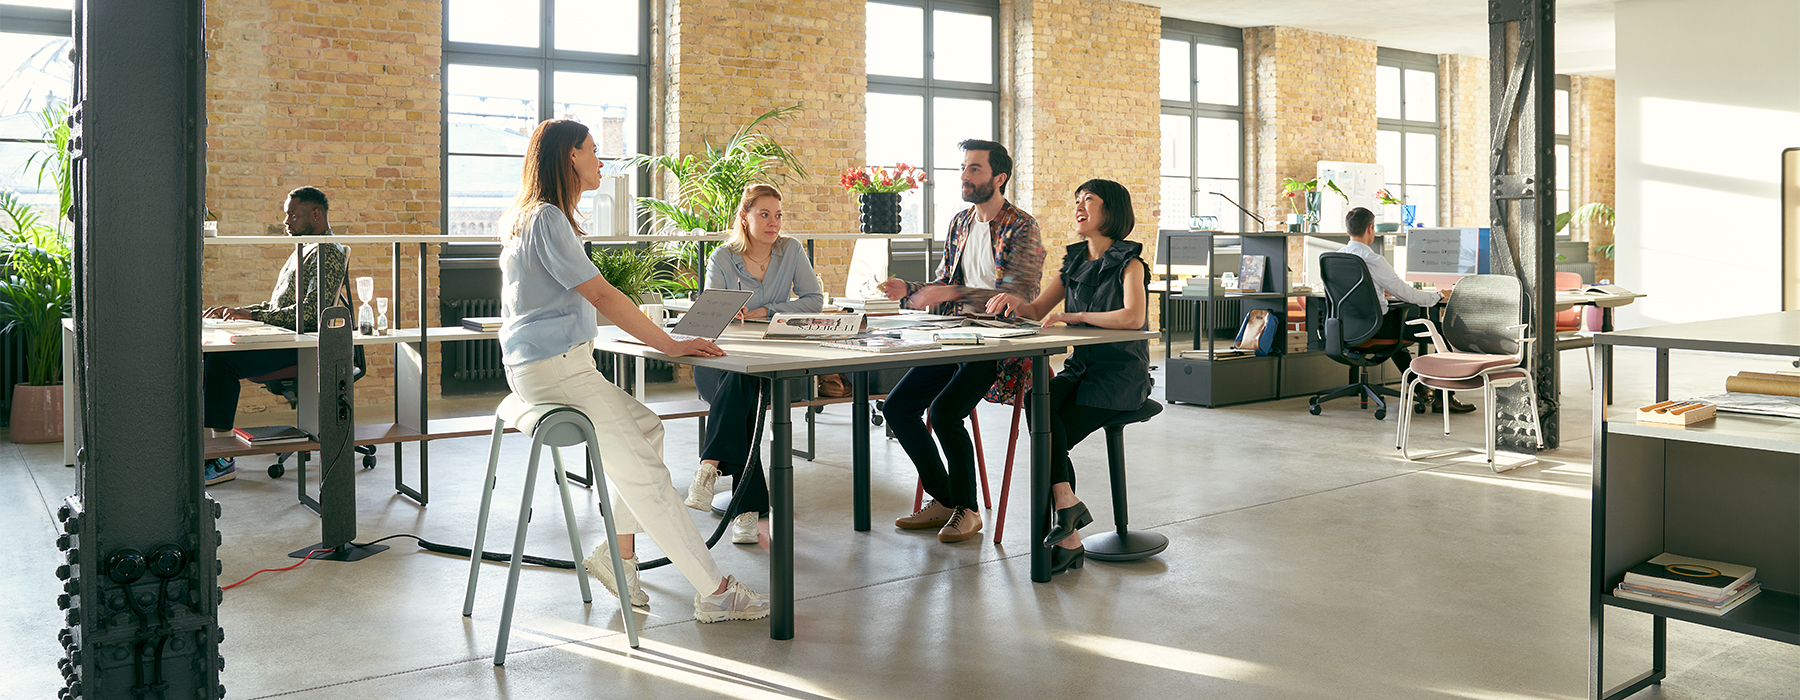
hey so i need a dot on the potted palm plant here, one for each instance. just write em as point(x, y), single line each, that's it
point(35, 295)
point(707, 186)
point(36, 285)
point(641, 273)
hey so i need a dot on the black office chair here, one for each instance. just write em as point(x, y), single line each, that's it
point(1352, 318)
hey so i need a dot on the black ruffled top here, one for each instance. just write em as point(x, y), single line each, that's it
point(1116, 375)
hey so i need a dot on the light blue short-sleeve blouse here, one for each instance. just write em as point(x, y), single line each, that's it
point(544, 315)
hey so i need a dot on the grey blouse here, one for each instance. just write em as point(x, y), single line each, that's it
point(789, 285)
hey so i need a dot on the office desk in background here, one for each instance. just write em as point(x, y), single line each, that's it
point(778, 360)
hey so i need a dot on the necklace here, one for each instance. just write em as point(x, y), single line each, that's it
point(764, 261)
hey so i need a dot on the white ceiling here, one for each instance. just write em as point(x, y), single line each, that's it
point(1584, 28)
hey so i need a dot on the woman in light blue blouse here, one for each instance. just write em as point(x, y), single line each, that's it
point(757, 258)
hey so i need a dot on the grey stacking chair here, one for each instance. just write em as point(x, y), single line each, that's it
point(554, 425)
point(1483, 340)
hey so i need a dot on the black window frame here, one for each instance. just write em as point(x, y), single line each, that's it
point(38, 21)
point(929, 88)
point(1424, 62)
point(1193, 33)
point(547, 60)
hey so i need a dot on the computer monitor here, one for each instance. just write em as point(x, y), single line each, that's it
point(1441, 256)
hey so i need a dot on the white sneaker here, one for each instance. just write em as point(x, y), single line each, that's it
point(743, 528)
point(700, 493)
point(599, 564)
point(738, 602)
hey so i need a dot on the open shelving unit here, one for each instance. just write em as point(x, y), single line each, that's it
point(1212, 382)
point(1725, 489)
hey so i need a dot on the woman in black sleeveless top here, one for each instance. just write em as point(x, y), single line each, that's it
point(1103, 284)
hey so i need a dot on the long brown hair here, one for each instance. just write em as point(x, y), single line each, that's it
point(549, 175)
point(740, 222)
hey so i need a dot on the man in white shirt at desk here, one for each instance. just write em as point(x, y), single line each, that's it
point(1360, 223)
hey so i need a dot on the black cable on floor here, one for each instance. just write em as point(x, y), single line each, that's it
point(731, 511)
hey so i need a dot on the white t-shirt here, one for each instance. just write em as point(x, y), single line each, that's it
point(978, 256)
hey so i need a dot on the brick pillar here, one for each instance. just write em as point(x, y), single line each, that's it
point(1086, 106)
point(1463, 121)
point(346, 98)
point(728, 61)
point(1308, 97)
point(1591, 106)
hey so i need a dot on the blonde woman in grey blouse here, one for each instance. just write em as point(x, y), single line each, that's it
point(757, 258)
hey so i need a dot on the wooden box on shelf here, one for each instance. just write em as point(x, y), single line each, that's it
point(1677, 413)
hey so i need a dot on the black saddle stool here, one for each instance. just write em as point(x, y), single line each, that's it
point(1123, 544)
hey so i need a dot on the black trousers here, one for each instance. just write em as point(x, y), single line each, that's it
point(1070, 423)
point(730, 423)
point(1393, 325)
point(223, 370)
point(950, 392)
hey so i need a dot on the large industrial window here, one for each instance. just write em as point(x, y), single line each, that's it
point(35, 74)
point(1202, 124)
point(933, 82)
point(1407, 134)
point(510, 65)
point(1564, 168)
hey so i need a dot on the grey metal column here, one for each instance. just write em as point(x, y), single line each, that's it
point(141, 579)
point(1522, 85)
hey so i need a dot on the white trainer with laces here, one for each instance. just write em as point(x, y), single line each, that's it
point(599, 565)
point(700, 493)
point(743, 528)
point(738, 602)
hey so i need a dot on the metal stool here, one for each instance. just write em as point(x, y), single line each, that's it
point(1123, 544)
point(554, 425)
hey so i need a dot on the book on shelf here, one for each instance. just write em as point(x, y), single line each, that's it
point(1690, 576)
point(484, 324)
point(1250, 272)
point(813, 326)
point(1714, 601)
point(1710, 609)
point(270, 435)
point(1222, 354)
point(259, 333)
point(879, 344)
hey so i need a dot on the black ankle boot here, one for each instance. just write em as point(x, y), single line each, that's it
point(1063, 559)
point(1066, 521)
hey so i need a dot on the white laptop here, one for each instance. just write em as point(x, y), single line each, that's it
point(711, 313)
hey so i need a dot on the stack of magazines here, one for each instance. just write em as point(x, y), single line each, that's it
point(483, 324)
point(872, 307)
point(1710, 587)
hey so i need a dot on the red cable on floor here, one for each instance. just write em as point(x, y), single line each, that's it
point(285, 568)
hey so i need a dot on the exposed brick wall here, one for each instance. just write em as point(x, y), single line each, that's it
point(345, 97)
point(1463, 117)
point(1308, 97)
point(1591, 110)
point(1086, 106)
point(731, 60)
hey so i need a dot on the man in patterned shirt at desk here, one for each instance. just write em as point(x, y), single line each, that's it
point(307, 215)
point(1360, 223)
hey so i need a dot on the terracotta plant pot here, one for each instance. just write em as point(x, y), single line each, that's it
point(37, 413)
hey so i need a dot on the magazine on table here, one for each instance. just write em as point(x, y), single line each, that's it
point(813, 326)
point(879, 344)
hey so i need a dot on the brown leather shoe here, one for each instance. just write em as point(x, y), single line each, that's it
point(1458, 406)
point(930, 517)
point(964, 523)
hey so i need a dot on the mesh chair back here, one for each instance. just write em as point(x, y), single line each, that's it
point(1351, 296)
point(1480, 309)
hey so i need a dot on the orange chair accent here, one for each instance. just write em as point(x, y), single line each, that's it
point(1012, 444)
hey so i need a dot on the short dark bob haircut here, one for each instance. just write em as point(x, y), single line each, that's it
point(1115, 200)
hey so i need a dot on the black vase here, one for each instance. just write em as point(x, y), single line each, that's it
point(880, 212)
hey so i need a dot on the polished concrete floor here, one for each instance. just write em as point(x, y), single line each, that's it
point(1308, 561)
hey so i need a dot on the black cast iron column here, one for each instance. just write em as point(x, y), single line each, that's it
point(1521, 89)
point(141, 582)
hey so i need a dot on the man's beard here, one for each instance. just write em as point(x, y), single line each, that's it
point(979, 193)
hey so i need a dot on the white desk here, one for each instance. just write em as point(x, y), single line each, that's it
point(776, 360)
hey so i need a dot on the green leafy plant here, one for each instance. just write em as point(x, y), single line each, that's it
point(54, 160)
point(36, 291)
point(1595, 213)
point(1292, 189)
point(637, 270)
point(707, 187)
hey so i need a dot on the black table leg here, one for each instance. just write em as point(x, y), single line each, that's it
point(859, 450)
point(781, 496)
point(1040, 467)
